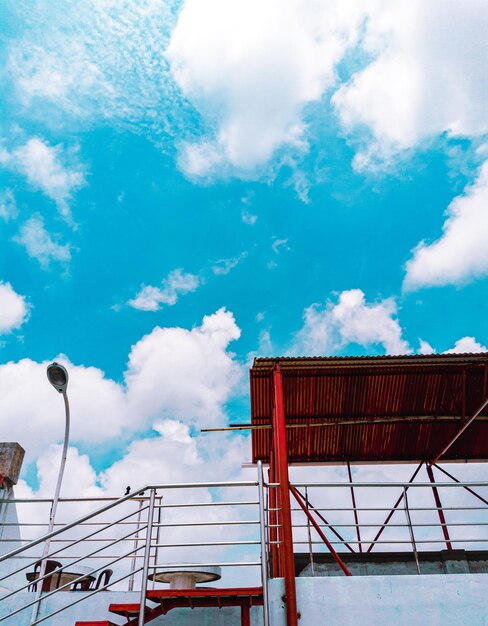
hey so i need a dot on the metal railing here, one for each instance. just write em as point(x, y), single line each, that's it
point(157, 527)
point(224, 524)
point(418, 525)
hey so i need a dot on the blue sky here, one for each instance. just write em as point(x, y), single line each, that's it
point(184, 185)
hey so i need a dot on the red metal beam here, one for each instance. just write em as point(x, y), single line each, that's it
point(309, 506)
point(353, 497)
point(440, 512)
point(337, 558)
point(461, 431)
point(472, 491)
point(281, 457)
point(395, 506)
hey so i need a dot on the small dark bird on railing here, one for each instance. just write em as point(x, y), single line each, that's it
point(127, 491)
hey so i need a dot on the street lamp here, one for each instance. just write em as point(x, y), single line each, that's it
point(58, 377)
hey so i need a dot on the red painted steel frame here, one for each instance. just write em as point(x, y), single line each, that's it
point(395, 506)
point(438, 504)
point(281, 457)
point(340, 562)
point(472, 491)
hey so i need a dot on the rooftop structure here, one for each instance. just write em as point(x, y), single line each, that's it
point(316, 557)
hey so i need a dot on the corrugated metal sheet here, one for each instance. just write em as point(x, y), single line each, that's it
point(421, 399)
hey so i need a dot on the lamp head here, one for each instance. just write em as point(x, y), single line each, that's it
point(57, 376)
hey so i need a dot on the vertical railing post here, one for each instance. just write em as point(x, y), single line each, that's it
point(410, 528)
point(136, 545)
point(285, 521)
point(147, 554)
point(262, 536)
point(309, 534)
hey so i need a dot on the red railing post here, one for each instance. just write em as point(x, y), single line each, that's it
point(287, 561)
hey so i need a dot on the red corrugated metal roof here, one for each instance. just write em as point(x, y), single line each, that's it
point(416, 403)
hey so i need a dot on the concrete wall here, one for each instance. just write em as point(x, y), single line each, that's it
point(436, 600)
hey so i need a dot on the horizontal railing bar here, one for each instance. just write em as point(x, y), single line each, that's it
point(190, 504)
point(183, 524)
point(215, 564)
point(392, 485)
point(410, 508)
point(206, 544)
point(390, 542)
point(404, 525)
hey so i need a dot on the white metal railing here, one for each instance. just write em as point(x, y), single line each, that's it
point(156, 527)
point(225, 524)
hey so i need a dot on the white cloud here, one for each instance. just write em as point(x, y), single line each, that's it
point(467, 344)
point(461, 253)
point(8, 205)
point(249, 218)
point(250, 68)
point(425, 347)
point(176, 284)
point(279, 245)
point(46, 169)
point(427, 76)
point(173, 373)
point(14, 309)
point(224, 266)
point(40, 245)
point(350, 320)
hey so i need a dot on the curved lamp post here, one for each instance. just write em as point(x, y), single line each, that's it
point(58, 377)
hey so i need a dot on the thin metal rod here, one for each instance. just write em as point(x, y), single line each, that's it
point(147, 554)
point(395, 506)
point(438, 504)
point(74, 543)
point(309, 534)
point(84, 597)
point(264, 551)
point(136, 539)
point(338, 559)
point(456, 437)
point(410, 528)
point(386, 421)
point(476, 495)
point(353, 497)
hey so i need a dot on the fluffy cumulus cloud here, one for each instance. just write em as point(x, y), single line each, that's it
point(46, 168)
point(461, 253)
point(40, 245)
point(8, 205)
point(351, 319)
point(14, 309)
point(173, 373)
point(177, 283)
point(426, 77)
point(250, 68)
point(467, 344)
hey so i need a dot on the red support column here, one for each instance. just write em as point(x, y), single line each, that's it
point(245, 615)
point(438, 504)
point(286, 534)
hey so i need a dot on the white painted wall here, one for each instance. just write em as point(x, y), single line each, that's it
point(434, 600)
